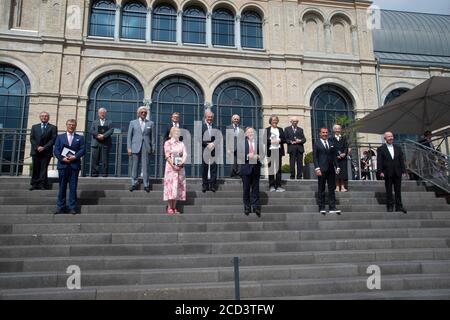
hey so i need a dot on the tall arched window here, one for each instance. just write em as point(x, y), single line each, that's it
point(176, 94)
point(164, 23)
point(328, 103)
point(223, 27)
point(236, 97)
point(251, 30)
point(194, 25)
point(134, 17)
point(14, 100)
point(102, 19)
point(121, 95)
point(389, 98)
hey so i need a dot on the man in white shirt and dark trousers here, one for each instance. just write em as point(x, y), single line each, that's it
point(391, 168)
point(101, 131)
point(325, 162)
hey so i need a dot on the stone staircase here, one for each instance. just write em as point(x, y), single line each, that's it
point(127, 247)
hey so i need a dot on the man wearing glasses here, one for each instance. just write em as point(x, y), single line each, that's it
point(140, 144)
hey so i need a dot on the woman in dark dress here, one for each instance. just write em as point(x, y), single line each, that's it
point(341, 144)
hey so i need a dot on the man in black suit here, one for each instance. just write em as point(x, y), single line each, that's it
point(174, 122)
point(238, 131)
point(250, 171)
point(325, 162)
point(101, 131)
point(42, 138)
point(295, 140)
point(209, 165)
point(391, 168)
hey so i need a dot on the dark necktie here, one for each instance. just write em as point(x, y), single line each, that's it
point(43, 127)
point(326, 144)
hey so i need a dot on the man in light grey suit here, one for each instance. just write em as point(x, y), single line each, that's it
point(140, 144)
point(101, 131)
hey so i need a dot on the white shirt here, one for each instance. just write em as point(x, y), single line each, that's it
point(325, 144)
point(102, 122)
point(274, 134)
point(175, 124)
point(391, 150)
point(338, 138)
point(142, 123)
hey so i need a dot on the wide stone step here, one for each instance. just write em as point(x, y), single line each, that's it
point(203, 275)
point(225, 290)
point(219, 237)
point(220, 260)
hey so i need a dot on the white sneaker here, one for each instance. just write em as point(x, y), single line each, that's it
point(338, 212)
point(272, 189)
point(280, 189)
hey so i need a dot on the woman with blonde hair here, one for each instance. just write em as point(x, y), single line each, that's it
point(174, 175)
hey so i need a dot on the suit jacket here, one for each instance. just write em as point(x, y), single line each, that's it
point(282, 142)
point(325, 159)
point(206, 138)
point(249, 168)
point(167, 131)
point(94, 132)
point(341, 145)
point(390, 167)
point(46, 139)
point(137, 139)
point(290, 136)
point(78, 145)
point(241, 132)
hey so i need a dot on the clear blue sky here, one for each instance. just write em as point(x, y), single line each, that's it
point(426, 6)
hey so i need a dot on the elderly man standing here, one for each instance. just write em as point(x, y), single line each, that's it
point(295, 140)
point(209, 165)
point(140, 144)
point(101, 131)
point(238, 130)
point(42, 138)
point(391, 168)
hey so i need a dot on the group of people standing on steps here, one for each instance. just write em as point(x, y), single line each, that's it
point(329, 153)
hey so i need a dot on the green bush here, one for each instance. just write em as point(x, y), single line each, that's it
point(285, 168)
point(309, 158)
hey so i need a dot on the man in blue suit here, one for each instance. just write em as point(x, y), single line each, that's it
point(69, 148)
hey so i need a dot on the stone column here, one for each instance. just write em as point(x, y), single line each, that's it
point(328, 38)
point(117, 23)
point(237, 32)
point(180, 28)
point(209, 29)
point(148, 22)
point(354, 31)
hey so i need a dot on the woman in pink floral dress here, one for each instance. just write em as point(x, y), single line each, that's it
point(174, 175)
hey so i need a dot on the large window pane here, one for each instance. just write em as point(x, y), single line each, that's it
point(194, 25)
point(223, 27)
point(102, 19)
point(134, 17)
point(164, 23)
point(251, 30)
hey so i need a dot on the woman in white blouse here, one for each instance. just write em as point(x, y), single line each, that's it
point(275, 144)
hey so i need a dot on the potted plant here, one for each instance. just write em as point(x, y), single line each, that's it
point(308, 168)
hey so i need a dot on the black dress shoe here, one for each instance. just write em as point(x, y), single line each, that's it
point(401, 209)
point(247, 211)
point(59, 211)
point(147, 189)
point(258, 213)
point(390, 209)
point(47, 187)
point(32, 188)
point(132, 188)
point(95, 175)
point(204, 189)
point(105, 175)
point(73, 211)
point(213, 189)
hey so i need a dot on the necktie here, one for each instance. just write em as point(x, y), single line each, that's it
point(70, 139)
point(43, 127)
point(326, 144)
point(251, 149)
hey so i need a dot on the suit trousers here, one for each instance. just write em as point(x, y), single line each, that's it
point(142, 157)
point(397, 183)
point(250, 185)
point(328, 177)
point(40, 166)
point(67, 176)
point(100, 152)
point(208, 183)
point(234, 167)
point(275, 172)
point(296, 159)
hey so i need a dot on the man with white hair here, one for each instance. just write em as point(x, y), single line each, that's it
point(101, 131)
point(140, 144)
point(391, 168)
point(238, 132)
point(295, 139)
point(209, 167)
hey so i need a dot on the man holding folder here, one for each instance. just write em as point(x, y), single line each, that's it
point(69, 148)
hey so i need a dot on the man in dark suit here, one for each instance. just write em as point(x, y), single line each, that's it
point(101, 131)
point(325, 161)
point(69, 149)
point(250, 171)
point(175, 122)
point(237, 131)
point(209, 166)
point(295, 140)
point(391, 168)
point(42, 138)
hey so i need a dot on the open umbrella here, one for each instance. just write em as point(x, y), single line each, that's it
point(426, 107)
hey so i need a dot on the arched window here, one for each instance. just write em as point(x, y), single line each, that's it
point(251, 30)
point(223, 27)
point(121, 95)
point(389, 98)
point(176, 94)
point(134, 17)
point(14, 100)
point(102, 18)
point(194, 25)
point(329, 102)
point(236, 97)
point(164, 23)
